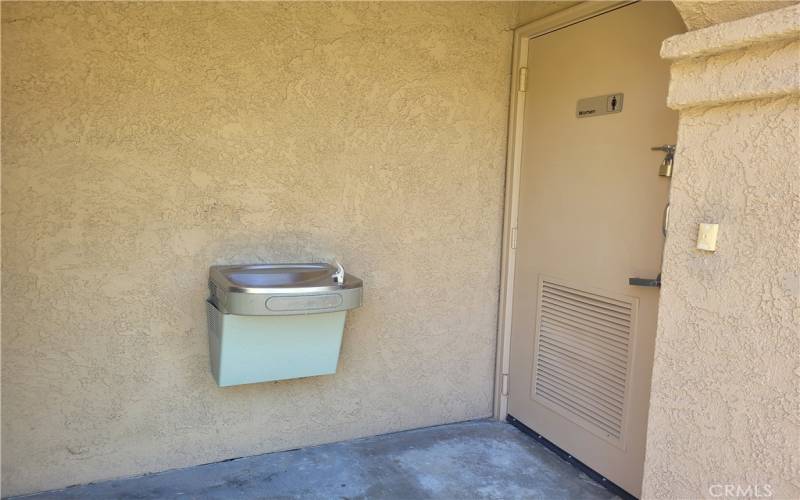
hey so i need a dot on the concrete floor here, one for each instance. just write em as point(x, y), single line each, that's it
point(478, 459)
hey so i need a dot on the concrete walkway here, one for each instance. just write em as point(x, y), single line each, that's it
point(478, 459)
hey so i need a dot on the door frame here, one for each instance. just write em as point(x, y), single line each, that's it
point(516, 115)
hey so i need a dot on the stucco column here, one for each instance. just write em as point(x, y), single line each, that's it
point(724, 419)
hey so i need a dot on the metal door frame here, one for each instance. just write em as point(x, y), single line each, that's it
point(522, 37)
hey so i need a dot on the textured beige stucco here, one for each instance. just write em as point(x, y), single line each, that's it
point(726, 391)
point(753, 58)
point(701, 14)
point(528, 11)
point(772, 26)
point(144, 142)
point(729, 77)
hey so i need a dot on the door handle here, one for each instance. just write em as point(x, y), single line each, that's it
point(653, 282)
point(650, 282)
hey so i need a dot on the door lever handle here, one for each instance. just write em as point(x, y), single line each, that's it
point(651, 282)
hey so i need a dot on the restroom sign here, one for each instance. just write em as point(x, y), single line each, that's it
point(599, 105)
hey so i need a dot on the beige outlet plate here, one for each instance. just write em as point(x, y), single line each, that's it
point(707, 237)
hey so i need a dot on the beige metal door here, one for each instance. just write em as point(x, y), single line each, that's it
point(591, 206)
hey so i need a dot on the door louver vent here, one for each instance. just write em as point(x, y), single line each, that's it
point(582, 361)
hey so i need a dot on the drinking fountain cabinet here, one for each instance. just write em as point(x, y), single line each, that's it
point(277, 321)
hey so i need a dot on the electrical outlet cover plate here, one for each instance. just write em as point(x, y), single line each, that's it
point(707, 237)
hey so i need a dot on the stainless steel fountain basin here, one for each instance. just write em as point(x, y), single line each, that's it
point(282, 289)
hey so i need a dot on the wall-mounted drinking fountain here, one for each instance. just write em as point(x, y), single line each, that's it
point(277, 321)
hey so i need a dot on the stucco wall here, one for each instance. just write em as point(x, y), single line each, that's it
point(726, 391)
point(528, 11)
point(144, 142)
point(704, 13)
